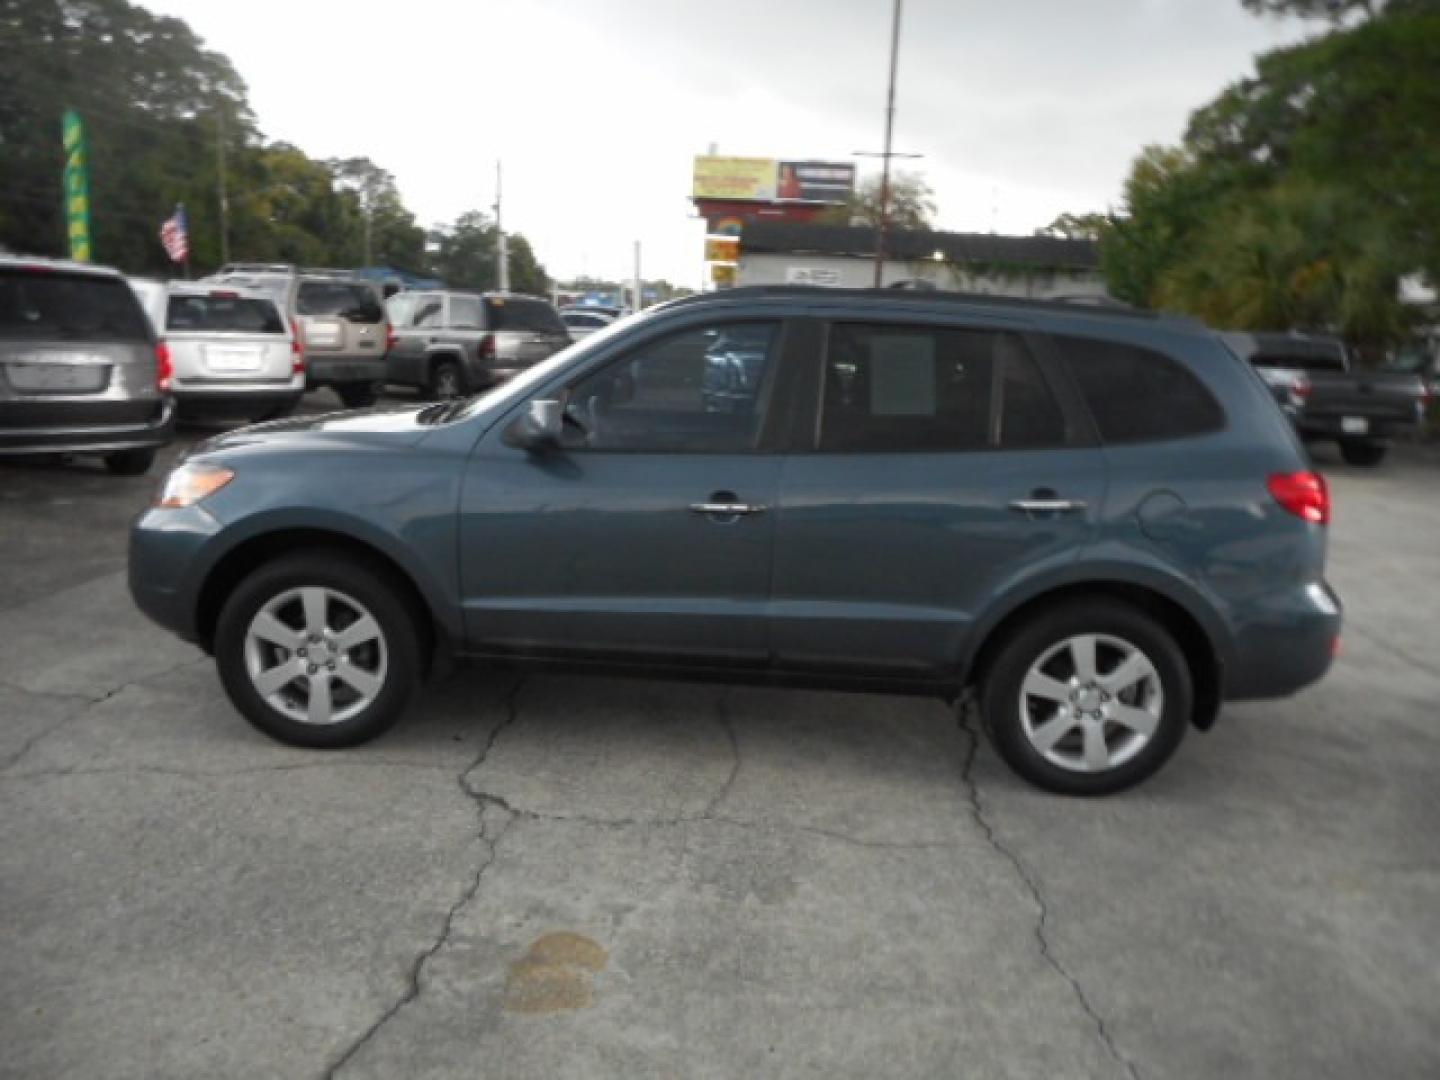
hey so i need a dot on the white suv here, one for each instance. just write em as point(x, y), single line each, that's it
point(233, 351)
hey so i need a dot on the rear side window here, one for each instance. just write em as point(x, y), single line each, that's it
point(534, 315)
point(50, 306)
point(465, 313)
point(339, 299)
point(223, 315)
point(1139, 395)
point(910, 388)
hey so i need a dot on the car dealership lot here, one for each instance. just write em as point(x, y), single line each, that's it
point(566, 876)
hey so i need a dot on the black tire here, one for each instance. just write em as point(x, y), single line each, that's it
point(277, 412)
point(1000, 695)
point(343, 573)
point(358, 395)
point(130, 462)
point(1362, 452)
point(447, 380)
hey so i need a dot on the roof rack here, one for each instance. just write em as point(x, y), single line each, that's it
point(256, 268)
point(927, 297)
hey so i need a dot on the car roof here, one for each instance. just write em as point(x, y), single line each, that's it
point(69, 266)
point(922, 300)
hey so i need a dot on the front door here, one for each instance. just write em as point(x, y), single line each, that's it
point(944, 470)
point(648, 534)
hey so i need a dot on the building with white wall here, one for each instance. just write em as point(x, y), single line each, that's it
point(788, 253)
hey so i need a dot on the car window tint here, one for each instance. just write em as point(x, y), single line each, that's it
point(1139, 395)
point(702, 390)
point(69, 307)
point(222, 314)
point(535, 316)
point(339, 299)
point(1305, 361)
point(429, 311)
point(465, 313)
point(892, 388)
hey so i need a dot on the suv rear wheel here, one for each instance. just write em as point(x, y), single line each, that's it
point(130, 462)
point(1088, 698)
point(318, 649)
point(447, 380)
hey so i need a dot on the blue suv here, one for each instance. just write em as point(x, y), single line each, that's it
point(1096, 523)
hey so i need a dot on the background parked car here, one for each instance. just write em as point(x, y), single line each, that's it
point(341, 319)
point(1328, 399)
point(82, 371)
point(234, 353)
point(453, 342)
point(580, 321)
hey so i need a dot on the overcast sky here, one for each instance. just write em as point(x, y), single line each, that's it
point(1022, 109)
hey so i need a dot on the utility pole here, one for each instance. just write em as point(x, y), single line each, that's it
point(884, 221)
point(368, 192)
point(220, 183)
point(502, 248)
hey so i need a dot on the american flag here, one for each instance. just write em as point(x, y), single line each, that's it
point(174, 236)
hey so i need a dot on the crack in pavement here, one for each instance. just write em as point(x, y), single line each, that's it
point(1391, 647)
point(208, 774)
point(413, 988)
point(967, 724)
point(89, 704)
point(722, 717)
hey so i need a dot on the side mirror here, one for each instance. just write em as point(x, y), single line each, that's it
point(538, 428)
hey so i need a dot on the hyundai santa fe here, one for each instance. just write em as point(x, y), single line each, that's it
point(1096, 524)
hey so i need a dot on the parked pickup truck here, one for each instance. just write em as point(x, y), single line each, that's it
point(1311, 377)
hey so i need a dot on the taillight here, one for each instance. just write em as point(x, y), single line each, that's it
point(1304, 494)
point(164, 369)
point(1301, 387)
point(391, 338)
point(487, 347)
point(297, 349)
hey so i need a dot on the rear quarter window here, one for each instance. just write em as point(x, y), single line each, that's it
point(69, 307)
point(1137, 394)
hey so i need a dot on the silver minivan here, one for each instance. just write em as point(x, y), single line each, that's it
point(341, 319)
point(233, 352)
point(451, 342)
point(80, 368)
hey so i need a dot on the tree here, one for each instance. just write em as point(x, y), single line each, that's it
point(1334, 10)
point(1299, 196)
point(1069, 226)
point(912, 205)
point(388, 233)
point(465, 257)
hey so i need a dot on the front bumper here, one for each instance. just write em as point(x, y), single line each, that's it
point(328, 371)
point(165, 566)
point(81, 427)
point(1286, 644)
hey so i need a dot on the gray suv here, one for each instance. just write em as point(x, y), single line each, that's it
point(452, 343)
point(80, 368)
point(1096, 525)
point(340, 318)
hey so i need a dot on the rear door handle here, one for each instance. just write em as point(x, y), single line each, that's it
point(1048, 506)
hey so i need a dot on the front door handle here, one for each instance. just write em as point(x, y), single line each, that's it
point(1048, 506)
point(727, 509)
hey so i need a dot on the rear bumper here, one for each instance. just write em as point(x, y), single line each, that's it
point(85, 427)
point(327, 371)
point(1378, 428)
point(1286, 644)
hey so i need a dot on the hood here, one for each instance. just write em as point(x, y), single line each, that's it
point(402, 425)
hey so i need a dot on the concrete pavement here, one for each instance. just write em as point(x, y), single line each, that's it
point(576, 877)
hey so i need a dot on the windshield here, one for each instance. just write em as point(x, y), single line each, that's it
point(520, 387)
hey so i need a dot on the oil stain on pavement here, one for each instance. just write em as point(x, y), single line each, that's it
point(555, 974)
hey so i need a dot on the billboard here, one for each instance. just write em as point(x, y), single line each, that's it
point(771, 181)
point(814, 181)
point(734, 178)
point(724, 249)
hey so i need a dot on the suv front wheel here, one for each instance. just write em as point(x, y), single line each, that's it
point(1089, 698)
point(318, 649)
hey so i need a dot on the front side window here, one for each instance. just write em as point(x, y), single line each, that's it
point(703, 390)
point(891, 388)
point(1139, 395)
point(465, 313)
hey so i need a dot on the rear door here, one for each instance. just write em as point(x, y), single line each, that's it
point(342, 318)
point(74, 347)
point(942, 470)
point(220, 336)
point(414, 319)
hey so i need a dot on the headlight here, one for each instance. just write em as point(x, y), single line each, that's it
point(188, 484)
